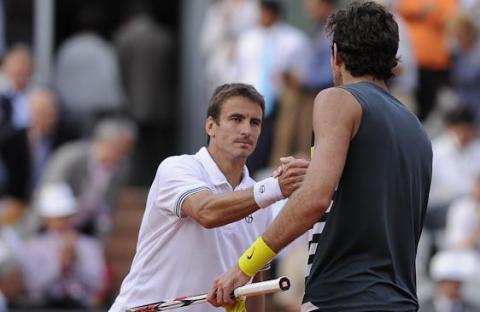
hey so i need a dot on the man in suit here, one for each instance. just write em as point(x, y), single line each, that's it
point(18, 68)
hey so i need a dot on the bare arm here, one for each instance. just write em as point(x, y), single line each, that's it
point(335, 121)
point(213, 210)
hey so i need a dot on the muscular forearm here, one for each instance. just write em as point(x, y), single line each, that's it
point(221, 209)
point(298, 216)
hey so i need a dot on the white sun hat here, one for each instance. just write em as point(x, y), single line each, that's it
point(455, 265)
point(56, 200)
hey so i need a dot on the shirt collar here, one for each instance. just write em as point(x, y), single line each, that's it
point(216, 175)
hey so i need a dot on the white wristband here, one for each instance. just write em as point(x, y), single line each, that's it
point(267, 191)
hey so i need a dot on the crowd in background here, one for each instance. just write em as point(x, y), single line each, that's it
point(66, 150)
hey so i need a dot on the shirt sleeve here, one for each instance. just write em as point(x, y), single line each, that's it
point(177, 178)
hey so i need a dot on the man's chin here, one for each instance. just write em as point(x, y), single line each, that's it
point(243, 152)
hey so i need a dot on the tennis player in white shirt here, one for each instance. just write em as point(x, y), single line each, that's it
point(204, 209)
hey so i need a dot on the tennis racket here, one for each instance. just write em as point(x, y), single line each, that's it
point(254, 289)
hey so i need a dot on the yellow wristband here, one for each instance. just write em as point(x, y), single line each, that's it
point(255, 257)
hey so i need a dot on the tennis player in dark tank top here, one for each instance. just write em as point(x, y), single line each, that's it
point(366, 190)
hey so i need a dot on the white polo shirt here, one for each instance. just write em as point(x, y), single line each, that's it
point(177, 256)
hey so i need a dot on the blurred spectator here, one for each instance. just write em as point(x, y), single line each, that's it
point(294, 125)
point(146, 51)
point(463, 221)
point(466, 65)
point(426, 21)
point(450, 270)
point(18, 68)
point(318, 74)
point(94, 170)
point(14, 84)
point(455, 166)
point(266, 55)
point(224, 22)
point(456, 159)
point(472, 9)
point(11, 285)
point(25, 151)
point(87, 71)
point(405, 82)
point(60, 268)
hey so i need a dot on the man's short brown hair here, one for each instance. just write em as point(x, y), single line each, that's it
point(228, 90)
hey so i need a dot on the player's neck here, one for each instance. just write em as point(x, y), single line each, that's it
point(347, 78)
point(232, 168)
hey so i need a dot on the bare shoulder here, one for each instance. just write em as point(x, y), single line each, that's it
point(338, 106)
point(336, 97)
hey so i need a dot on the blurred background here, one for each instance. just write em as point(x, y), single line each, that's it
point(95, 94)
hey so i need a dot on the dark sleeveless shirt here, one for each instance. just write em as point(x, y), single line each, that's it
point(362, 252)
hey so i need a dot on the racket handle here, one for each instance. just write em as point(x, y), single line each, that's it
point(261, 288)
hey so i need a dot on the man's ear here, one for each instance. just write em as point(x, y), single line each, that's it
point(210, 125)
point(337, 58)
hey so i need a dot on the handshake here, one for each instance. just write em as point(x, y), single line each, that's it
point(285, 180)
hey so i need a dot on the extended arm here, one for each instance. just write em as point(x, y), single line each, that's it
point(213, 210)
point(335, 121)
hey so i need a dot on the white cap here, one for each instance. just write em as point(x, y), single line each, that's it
point(56, 200)
point(455, 265)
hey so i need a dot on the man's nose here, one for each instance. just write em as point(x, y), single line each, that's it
point(246, 128)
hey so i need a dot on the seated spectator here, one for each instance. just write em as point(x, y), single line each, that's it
point(94, 170)
point(60, 268)
point(450, 270)
point(456, 159)
point(455, 166)
point(463, 221)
